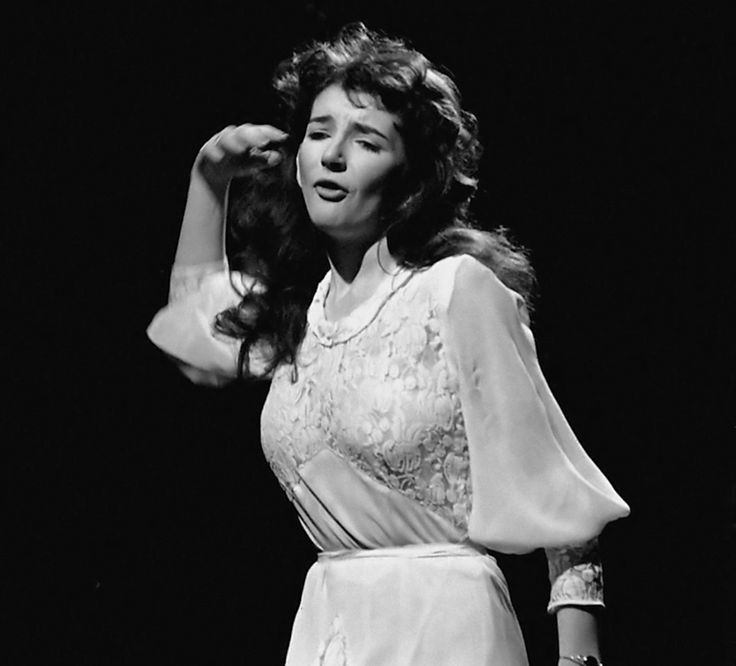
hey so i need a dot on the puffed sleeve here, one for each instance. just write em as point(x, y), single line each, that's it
point(184, 328)
point(533, 484)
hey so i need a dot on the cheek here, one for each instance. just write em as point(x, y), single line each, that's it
point(379, 181)
point(307, 157)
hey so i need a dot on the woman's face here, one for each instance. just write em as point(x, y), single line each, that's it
point(347, 159)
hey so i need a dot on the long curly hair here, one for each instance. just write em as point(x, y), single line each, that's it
point(426, 216)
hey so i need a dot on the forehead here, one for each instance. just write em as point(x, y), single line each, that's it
point(355, 106)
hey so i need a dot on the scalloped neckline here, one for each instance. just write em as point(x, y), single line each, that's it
point(331, 332)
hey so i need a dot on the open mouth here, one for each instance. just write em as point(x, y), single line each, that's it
point(330, 190)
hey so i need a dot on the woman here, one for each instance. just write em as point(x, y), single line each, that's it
point(408, 419)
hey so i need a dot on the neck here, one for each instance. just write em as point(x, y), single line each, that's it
point(356, 268)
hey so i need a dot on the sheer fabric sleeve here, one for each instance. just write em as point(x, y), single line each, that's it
point(184, 328)
point(533, 484)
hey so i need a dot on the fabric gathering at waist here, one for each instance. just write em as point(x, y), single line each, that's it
point(418, 550)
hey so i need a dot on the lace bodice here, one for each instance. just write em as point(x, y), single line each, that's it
point(376, 389)
point(423, 416)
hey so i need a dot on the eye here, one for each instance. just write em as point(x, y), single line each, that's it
point(372, 147)
point(316, 135)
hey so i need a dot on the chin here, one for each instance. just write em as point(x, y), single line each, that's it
point(328, 221)
point(332, 229)
point(325, 221)
point(339, 231)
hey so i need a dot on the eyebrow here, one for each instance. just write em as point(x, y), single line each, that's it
point(361, 127)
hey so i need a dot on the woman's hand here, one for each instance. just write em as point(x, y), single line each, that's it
point(230, 153)
point(234, 151)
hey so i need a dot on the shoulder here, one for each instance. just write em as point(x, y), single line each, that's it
point(445, 272)
point(461, 267)
point(461, 276)
point(463, 287)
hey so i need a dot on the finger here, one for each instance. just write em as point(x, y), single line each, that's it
point(274, 157)
point(232, 142)
point(248, 138)
point(257, 160)
point(212, 152)
point(270, 156)
point(216, 138)
point(261, 135)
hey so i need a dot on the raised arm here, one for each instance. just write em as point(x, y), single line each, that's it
point(227, 155)
point(201, 285)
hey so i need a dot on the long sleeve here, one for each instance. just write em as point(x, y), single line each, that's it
point(183, 329)
point(533, 484)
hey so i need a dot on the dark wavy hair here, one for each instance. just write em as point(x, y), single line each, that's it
point(426, 215)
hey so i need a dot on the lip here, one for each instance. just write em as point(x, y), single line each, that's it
point(329, 190)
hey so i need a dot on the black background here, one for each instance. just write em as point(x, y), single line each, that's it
point(146, 526)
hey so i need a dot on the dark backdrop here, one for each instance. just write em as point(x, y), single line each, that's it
point(149, 529)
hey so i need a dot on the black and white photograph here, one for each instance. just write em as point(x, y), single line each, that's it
point(369, 334)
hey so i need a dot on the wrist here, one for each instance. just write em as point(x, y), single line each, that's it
point(577, 630)
point(207, 184)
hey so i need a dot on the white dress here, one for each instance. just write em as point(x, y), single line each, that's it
point(415, 433)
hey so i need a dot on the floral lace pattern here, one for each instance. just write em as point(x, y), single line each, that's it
point(576, 575)
point(376, 389)
point(579, 585)
point(382, 397)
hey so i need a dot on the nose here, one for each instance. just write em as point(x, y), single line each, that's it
point(333, 157)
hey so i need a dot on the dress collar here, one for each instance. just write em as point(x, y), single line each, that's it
point(330, 333)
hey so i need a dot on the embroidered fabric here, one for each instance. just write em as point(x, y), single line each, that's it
point(576, 576)
point(381, 389)
point(581, 585)
point(403, 425)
